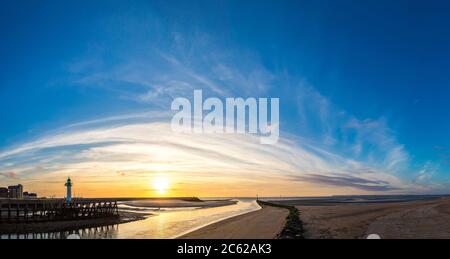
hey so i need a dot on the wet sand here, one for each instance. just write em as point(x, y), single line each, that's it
point(409, 220)
point(265, 223)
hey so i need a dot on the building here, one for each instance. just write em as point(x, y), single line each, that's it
point(29, 195)
point(4, 192)
point(15, 191)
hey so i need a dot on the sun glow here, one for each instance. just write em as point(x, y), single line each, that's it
point(160, 184)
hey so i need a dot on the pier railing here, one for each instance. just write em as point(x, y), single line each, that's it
point(44, 210)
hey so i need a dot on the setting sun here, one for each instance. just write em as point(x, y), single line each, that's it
point(160, 184)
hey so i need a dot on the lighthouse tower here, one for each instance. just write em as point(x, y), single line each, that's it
point(69, 190)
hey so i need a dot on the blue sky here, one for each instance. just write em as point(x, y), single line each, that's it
point(363, 85)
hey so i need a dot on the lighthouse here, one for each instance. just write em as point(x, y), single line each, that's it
point(69, 190)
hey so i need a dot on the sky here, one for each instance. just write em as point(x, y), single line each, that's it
point(86, 88)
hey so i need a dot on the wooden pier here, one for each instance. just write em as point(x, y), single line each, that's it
point(48, 210)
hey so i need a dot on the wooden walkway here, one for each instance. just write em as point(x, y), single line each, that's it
point(45, 210)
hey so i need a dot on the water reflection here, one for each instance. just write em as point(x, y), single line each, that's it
point(104, 232)
point(162, 224)
point(171, 224)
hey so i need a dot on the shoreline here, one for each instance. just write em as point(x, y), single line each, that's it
point(214, 222)
point(265, 223)
point(176, 203)
point(333, 218)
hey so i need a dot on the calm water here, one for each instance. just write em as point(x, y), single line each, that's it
point(163, 224)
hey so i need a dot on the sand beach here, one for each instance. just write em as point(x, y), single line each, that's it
point(392, 220)
point(265, 223)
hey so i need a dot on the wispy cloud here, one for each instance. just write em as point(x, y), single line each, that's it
point(9, 175)
point(159, 74)
point(329, 145)
point(424, 176)
point(151, 147)
point(348, 181)
point(369, 140)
